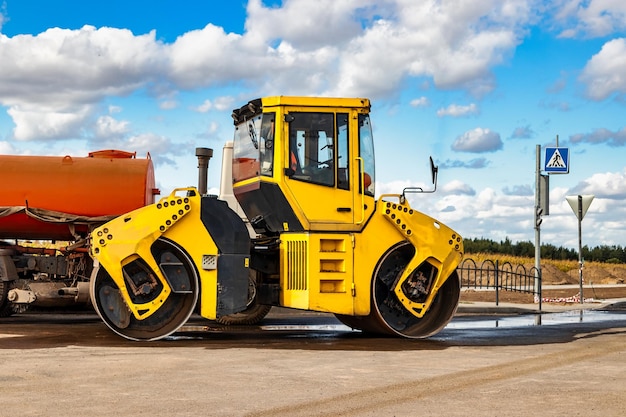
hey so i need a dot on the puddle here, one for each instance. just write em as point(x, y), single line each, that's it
point(545, 319)
point(309, 327)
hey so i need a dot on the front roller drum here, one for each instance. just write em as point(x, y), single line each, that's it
point(389, 316)
point(143, 286)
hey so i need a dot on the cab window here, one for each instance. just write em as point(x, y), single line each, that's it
point(253, 152)
point(343, 158)
point(311, 147)
point(266, 144)
point(366, 152)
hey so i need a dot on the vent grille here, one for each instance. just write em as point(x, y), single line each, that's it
point(297, 265)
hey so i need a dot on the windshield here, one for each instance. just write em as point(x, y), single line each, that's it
point(253, 153)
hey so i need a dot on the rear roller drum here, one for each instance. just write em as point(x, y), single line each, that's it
point(182, 277)
point(389, 316)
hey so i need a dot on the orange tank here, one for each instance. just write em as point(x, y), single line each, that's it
point(57, 197)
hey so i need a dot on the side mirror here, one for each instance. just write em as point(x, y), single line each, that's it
point(434, 169)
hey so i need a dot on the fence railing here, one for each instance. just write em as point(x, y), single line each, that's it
point(504, 276)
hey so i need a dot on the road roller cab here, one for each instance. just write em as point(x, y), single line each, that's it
point(304, 174)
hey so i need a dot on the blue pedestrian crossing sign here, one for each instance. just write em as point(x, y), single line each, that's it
point(557, 161)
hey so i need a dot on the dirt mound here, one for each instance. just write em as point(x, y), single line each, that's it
point(592, 274)
point(551, 275)
point(599, 275)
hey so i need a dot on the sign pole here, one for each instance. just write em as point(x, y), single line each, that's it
point(580, 247)
point(580, 204)
point(537, 225)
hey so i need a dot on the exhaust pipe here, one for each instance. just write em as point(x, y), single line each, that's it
point(204, 155)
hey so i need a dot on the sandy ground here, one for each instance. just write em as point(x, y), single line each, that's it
point(59, 365)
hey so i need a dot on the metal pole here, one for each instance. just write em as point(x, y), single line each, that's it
point(203, 154)
point(580, 246)
point(497, 283)
point(537, 227)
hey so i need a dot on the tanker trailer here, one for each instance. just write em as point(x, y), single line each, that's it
point(48, 207)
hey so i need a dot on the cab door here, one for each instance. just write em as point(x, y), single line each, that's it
point(319, 167)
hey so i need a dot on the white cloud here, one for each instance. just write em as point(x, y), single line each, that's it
point(425, 37)
point(475, 163)
point(6, 148)
point(605, 73)
point(591, 18)
point(326, 47)
point(224, 103)
point(108, 128)
point(420, 102)
point(456, 110)
point(478, 140)
point(608, 185)
point(617, 138)
point(159, 147)
point(489, 213)
point(209, 56)
point(213, 128)
point(34, 122)
point(458, 187)
point(307, 25)
point(205, 107)
point(168, 104)
point(51, 82)
point(61, 65)
point(522, 132)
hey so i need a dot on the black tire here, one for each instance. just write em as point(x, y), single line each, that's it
point(253, 314)
point(388, 317)
point(173, 313)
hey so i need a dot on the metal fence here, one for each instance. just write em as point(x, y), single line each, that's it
point(503, 276)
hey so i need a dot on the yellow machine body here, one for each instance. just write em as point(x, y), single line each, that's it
point(130, 237)
point(304, 174)
point(332, 272)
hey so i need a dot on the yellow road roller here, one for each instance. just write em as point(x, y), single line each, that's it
point(315, 236)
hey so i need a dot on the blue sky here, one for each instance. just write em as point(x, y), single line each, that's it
point(477, 85)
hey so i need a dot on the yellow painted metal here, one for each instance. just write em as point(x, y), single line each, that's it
point(130, 237)
point(303, 197)
point(317, 272)
point(434, 243)
point(333, 272)
point(324, 102)
point(311, 278)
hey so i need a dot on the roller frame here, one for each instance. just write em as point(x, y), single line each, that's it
point(130, 237)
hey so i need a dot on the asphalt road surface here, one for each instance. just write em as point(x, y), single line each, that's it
point(571, 364)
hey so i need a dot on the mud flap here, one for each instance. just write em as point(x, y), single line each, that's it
point(232, 290)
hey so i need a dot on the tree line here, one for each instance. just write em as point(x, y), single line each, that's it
point(602, 253)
